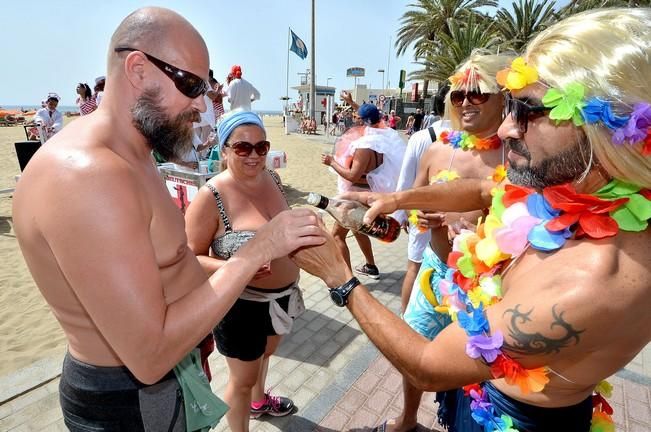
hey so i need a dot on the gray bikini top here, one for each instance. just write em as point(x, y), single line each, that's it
point(228, 243)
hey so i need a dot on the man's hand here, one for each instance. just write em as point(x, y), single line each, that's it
point(430, 220)
point(323, 261)
point(379, 203)
point(326, 159)
point(288, 231)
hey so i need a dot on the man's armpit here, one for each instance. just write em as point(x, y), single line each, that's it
point(548, 334)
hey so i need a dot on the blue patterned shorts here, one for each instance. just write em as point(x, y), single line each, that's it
point(420, 314)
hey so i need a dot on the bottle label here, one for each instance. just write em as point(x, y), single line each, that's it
point(379, 228)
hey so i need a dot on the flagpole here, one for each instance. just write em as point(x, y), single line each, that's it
point(313, 72)
point(289, 36)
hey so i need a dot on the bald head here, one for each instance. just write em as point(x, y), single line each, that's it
point(156, 31)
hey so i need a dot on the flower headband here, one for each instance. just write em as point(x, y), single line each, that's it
point(570, 103)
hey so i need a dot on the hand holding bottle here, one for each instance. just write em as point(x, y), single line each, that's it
point(323, 261)
point(286, 232)
point(378, 203)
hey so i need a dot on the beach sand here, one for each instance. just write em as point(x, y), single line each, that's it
point(28, 330)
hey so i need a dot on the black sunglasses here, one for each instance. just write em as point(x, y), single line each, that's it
point(522, 112)
point(244, 148)
point(474, 97)
point(186, 82)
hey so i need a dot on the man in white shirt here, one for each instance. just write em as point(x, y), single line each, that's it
point(240, 92)
point(418, 240)
point(99, 88)
point(50, 117)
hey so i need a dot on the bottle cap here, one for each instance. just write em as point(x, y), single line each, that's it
point(313, 199)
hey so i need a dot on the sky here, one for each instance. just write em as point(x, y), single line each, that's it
point(50, 46)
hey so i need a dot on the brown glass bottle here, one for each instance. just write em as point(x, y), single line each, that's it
point(350, 214)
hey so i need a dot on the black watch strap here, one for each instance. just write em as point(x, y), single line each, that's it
point(339, 295)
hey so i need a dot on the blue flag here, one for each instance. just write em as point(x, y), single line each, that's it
point(298, 46)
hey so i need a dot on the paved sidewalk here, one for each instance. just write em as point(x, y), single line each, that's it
point(336, 377)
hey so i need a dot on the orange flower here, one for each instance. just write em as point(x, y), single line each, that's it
point(499, 174)
point(529, 380)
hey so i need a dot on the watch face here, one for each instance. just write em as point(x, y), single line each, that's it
point(337, 298)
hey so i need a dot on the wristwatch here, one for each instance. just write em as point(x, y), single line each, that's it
point(339, 295)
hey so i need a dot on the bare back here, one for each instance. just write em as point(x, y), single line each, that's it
point(78, 210)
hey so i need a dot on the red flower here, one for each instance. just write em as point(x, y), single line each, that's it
point(601, 404)
point(443, 137)
point(646, 193)
point(513, 194)
point(590, 212)
point(646, 149)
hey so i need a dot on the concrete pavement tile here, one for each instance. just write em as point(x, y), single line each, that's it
point(363, 418)
point(317, 323)
point(301, 336)
point(617, 394)
point(379, 401)
point(637, 392)
point(367, 383)
point(21, 428)
point(335, 324)
point(286, 348)
point(304, 351)
point(303, 397)
point(391, 382)
point(329, 349)
point(320, 380)
point(344, 335)
point(274, 377)
point(295, 380)
point(5, 410)
point(53, 386)
point(638, 427)
point(619, 416)
point(352, 401)
point(323, 335)
point(638, 411)
point(28, 398)
point(287, 366)
point(30, 411)
point(335, 420)
point(45, 420)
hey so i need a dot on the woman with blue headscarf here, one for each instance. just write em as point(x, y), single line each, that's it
point(223, 216)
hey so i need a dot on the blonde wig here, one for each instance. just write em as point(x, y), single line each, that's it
point(476, 73)
point(609, 52)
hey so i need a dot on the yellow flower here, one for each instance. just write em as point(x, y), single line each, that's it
point(518, 76)
point(499, 174)
point(477, 295)
point(604, 388)
point(444, 176)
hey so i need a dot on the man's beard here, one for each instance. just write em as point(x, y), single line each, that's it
point(564, 167)
point(170, 138)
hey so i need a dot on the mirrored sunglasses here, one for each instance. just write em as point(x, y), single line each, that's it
point(186, 82)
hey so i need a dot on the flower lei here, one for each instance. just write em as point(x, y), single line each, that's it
point(569, 103)
point(519, 217)
point(466, 141)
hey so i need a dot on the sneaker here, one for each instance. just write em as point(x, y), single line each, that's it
point(368, 270)
point(276, 406)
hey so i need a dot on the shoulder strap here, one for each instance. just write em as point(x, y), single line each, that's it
point(432, 134)
point(220, 205)
point(276, 177)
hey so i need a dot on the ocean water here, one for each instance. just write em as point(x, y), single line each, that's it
point(73, 108)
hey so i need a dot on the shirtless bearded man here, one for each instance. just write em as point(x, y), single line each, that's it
point(106, 245)
point(551, 294)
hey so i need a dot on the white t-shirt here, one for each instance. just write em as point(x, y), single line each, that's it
point(240, 94)
point(47, 118)
point(416, 146)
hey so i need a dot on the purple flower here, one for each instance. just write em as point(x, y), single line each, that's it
point(636, 129)
point(487, 347)
point(597, 110)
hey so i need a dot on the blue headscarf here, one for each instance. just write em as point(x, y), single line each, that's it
point(234, 119)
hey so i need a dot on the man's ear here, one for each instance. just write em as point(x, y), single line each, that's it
point(135, 70)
